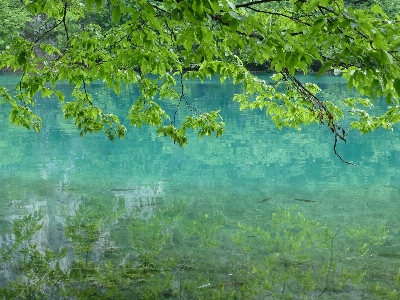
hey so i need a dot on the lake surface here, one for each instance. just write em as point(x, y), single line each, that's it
point(245, 175)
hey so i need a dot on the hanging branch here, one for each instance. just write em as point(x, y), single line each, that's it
point(86, 93)
point(322, 110)
point(193, 109)
point(334, 149)
point(62, 21)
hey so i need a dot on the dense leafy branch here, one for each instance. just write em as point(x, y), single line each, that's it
point(249, 4)
point(203, 38)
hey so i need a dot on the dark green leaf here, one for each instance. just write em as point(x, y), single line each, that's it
point(233, 24)
point(396, 85)
point(116, 14)
point(325, 67)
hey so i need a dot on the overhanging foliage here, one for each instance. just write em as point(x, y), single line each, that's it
point(183, 39)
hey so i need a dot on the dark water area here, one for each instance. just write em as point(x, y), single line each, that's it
point(252, 170)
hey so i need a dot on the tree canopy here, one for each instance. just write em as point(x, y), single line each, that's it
point(157, 44)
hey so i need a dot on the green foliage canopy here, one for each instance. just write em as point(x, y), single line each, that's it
point(13, 20)
point(156, 44)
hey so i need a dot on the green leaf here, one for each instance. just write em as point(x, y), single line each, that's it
point(317, 26)
point(215, 6)
point(225, 18)
point(22, 57)
point(117, 87)
point(231, 5)
point(233, 24)
point(376, 9)
point(46, 93)
point(312, 5)
point(281, 54)
point(90, 3)
point(98, 3)
point(396, 85)
point(325, 67)
point(116, 14)
point(386, 57)
point(176, 15)
point(94, 112)
point(198, 7)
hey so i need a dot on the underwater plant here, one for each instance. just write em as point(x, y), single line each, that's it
point(175, 253)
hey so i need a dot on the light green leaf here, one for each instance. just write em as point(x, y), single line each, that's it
point(231, 5)
point(94, 112)
point(117, 87)
point(215, 6)
point(198, 7)
point(46, 92)
point(312, 5)
point(376, 9)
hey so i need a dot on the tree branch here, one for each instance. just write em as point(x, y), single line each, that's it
point(334, 149)
point(248, 4)
point(64, 21)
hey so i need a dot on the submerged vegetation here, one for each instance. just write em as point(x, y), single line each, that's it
point(175, 252)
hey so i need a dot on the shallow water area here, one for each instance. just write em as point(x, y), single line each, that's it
point(211, 184)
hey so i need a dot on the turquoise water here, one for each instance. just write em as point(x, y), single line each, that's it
point(253, 160)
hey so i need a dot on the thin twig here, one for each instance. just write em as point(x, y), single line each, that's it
point(193, 109)
point(334, 149)
point(64, 21)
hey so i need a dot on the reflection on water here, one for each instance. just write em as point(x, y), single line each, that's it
point(251, 171)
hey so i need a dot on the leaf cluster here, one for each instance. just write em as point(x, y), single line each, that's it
point(151, 43)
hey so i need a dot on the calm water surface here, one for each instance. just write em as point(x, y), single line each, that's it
point(252, 161)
